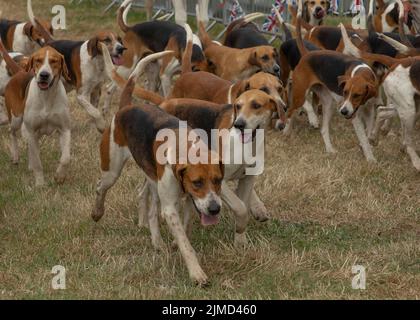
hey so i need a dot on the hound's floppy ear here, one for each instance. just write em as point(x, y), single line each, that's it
point(244, 86)
point(179, 173)
point(30, 64)
point(64, 70)
point(253, 58)
point(27, 29)
point(92, 47)
point(342, 81)
point(371, 91)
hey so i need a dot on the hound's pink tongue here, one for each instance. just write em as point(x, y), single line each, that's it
point(117, 61)
point(320, 14)
point(209, 220)
point(246, 137)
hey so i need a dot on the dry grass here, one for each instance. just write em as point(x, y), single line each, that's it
point(329, 213)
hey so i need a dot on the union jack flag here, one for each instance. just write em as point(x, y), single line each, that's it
point(270, 21)
point(357, 6)
point(236, 11)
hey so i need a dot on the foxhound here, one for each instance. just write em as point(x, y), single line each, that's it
point(37, 99)
point(154, 36)
point(5, 76)
point(243, 33)
point(135, 132)
point(84, 60)
point(23, 37)
point(334, 76)
point(252, 111)
point(313, 13)
point(238, 64)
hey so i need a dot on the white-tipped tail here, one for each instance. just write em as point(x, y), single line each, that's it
point(402, 48)
point(164, 17)
point(31, 12)
point(197, 12)
point(145, 61)
point(299, 11)
point(371, 3)
point(125, 13)
point(349, 47)
point(126, 3)
point(400, 9)
point(189, 33)
point(253, 16)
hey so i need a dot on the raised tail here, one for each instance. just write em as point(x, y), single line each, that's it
point(400, 47)
point(369, 22)
point(11, 64)
point(186, 58)
point(122, 15)
point(299, 41)
point(382, 59)
point(202, 33)
point(287, 33)
point(349, 47)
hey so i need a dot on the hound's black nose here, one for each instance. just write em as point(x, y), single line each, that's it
point(344, 111)
point(120, 50)
point(276, 68)
point(318, 9)
point(214, 208)
point(240, 124)
point(44, 75)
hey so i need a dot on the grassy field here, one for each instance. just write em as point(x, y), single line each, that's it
point(329, 213)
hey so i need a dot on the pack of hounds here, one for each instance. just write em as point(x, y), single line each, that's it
point(241, 85)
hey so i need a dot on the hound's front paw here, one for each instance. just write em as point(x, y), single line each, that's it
point(260, 213)
point(199, 277)
point(241, 241)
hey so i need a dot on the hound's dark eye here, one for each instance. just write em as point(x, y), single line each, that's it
point(107, 40)
point(323, 3)
point(256, 105)
point(217, 181)
point(312, 2)
point(345, 92)
point(198, 184)
point(356, 95)
point(238, 107)
point(265, 89)
point(265, 57)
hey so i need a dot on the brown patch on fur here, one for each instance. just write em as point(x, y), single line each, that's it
point(9, 38)
point(104, 149)
point(15, 93)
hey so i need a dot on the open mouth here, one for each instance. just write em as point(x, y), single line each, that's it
point(205, 219)
point(43, 85)
point(247, 137)
point(319, 14)
point(117, 59)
